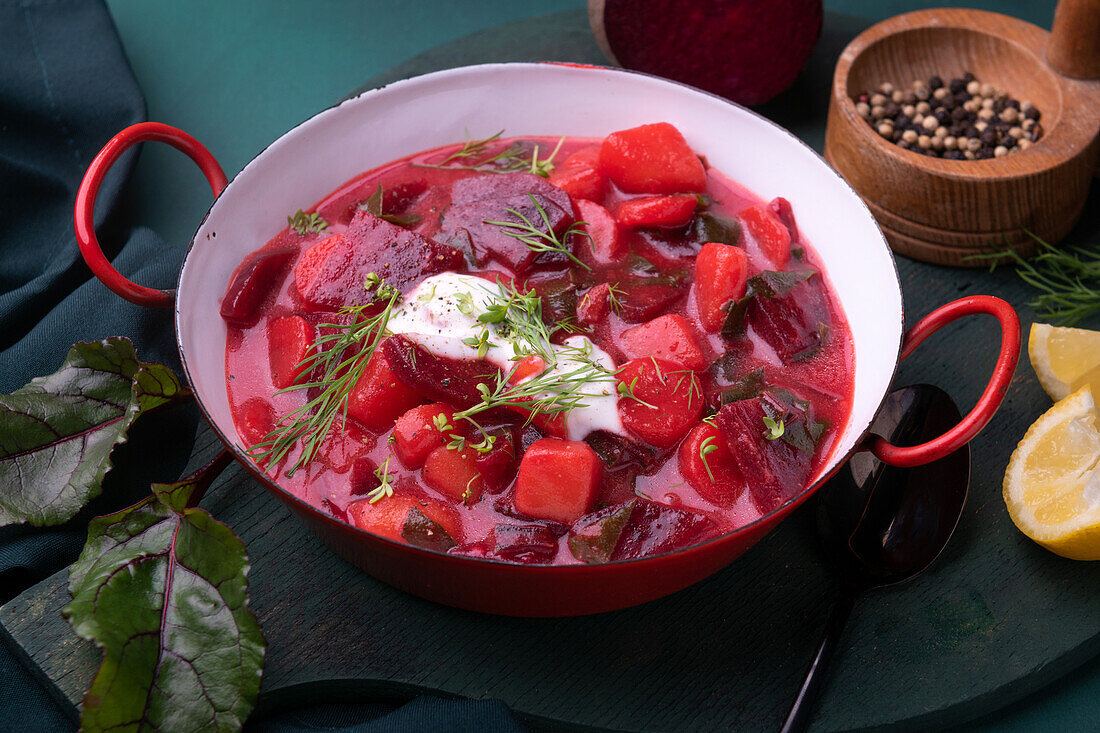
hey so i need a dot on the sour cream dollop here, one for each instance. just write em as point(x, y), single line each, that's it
point(442, 312)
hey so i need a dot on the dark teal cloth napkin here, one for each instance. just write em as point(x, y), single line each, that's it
point(65, 89)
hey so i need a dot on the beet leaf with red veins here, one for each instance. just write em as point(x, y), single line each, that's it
point(162, 588)
point(58, 432)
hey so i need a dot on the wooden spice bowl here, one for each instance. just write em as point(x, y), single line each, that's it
point(941, 210)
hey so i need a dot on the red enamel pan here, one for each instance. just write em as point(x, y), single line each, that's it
point(381, 125)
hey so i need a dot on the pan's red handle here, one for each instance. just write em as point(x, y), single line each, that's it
point(990, 400)
point(85, 203)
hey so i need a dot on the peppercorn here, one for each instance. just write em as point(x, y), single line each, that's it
point(961, 120)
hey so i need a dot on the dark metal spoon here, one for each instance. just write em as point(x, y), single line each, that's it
point(882, 525)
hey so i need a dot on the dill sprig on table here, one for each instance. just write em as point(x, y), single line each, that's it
point(340, 352)
point(1069, 279)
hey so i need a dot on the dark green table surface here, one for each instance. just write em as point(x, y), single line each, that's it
point(238, 74)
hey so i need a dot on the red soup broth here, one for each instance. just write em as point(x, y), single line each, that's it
point(645, 502)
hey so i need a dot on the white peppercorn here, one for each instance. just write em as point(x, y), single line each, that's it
point(877, 100)
point(863, 109)
point(940, 93)
point(909, 136)
point(986, 90)
point(973, 88)
point(1000, 151)
point(886, 88)
point(973, 144)
point(1024, 144)
point(886, 130)
point(969, 154)
point(898, 96)
point(1010, 115)
point(949, 143)
point(1016, 132)
point(930, 123)
point(909, 111)
point(924, 107)
point(940, 131)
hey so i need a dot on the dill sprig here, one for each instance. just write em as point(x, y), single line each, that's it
point(542, 239)
point(304, 223)
point(1069, 279)
point(341, 352)
point(517, 316)
point(475, 155)
point(551, 392)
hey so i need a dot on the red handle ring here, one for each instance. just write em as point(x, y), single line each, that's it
point(84, 211)
point(979, 417)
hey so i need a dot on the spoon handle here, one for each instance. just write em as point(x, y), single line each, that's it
point(798, 719)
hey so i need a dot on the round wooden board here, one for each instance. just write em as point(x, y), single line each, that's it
point(994, 619)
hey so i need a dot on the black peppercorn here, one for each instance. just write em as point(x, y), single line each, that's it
point(935, 83)
point(988, 137)
point(947, 103)
point(962, 97)
point(958, 114)
point(1013, 103)
point(903, 122)
point(972, 131)
point(984, 153)
point(1032, 114)
point(968, 77)
point(999, 105)
point(911, 98)
point(957, 85)
point(890, 109)
point(1008, 141)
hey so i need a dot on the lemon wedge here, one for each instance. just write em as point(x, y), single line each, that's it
point(1064, 359)
point(1052, 485)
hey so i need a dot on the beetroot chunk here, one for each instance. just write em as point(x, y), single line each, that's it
point(775, 468)
point(479, 199)
point(655, 528)
point(253, 280)
point(525, 543)
point(331, 274)
point(438, 378)
point(795, 322)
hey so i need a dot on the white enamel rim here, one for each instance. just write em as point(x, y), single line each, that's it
point(380, 125)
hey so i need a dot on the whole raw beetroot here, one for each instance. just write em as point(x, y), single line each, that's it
point(745, 50)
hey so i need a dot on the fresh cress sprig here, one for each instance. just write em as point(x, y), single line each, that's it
point(706, 448)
